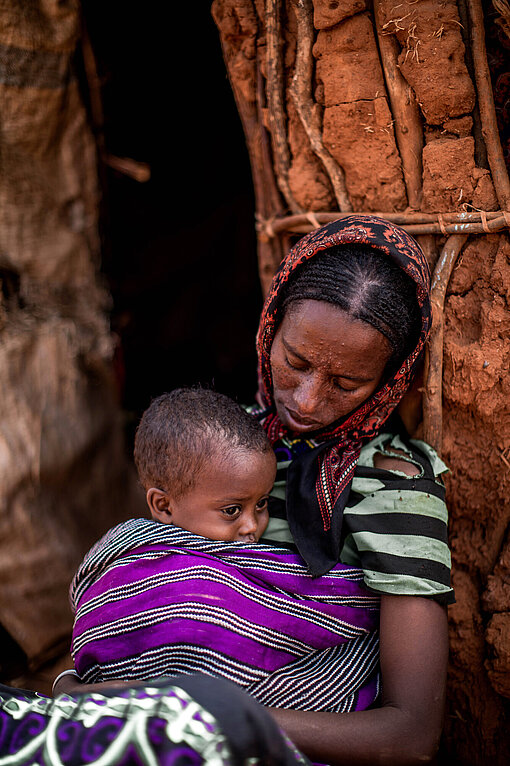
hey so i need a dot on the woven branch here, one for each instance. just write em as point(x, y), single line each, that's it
point(270, 252)
point(301, 94)
point(276, 112)
point(405, 112)
point(267, 197)
point(415, 223)
point(433, 394)
point(486, 105)
point(138, 171)
point(272, 197)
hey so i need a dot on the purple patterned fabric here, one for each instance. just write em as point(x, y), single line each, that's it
point(193, 721)
point(152, 600)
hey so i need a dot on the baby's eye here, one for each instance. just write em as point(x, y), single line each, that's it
point(262, 504)
point(233, 511)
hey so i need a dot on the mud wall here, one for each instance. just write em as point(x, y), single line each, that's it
point(64, 477)
point(387, 97)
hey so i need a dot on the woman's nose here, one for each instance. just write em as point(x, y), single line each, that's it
point(307, 395)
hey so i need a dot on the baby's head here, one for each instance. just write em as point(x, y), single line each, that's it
point(206, 465)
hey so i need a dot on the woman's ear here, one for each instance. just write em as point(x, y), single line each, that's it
point(159, 505)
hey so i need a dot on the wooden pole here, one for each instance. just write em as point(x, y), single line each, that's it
point(276, 112)
point(408, 128)
point(433, 394)
point(308, 111)
point(486, 105)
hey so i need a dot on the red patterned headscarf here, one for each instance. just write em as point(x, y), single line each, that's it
point(318, 483)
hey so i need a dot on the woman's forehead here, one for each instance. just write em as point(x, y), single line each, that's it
point(327, 336)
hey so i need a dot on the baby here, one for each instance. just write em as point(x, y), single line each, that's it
point(206, 465)
point(194, 591)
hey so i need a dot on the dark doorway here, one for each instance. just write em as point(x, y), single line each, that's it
point(179, 251)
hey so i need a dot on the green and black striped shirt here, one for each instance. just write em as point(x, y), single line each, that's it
point(395, 526)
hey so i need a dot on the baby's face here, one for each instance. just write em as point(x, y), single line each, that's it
point(229, 499)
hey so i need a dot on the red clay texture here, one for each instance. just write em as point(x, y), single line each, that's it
point(358, 130)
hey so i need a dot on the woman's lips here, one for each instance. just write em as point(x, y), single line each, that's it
point(299, 422)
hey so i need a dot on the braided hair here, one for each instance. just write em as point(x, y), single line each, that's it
point(368, 287)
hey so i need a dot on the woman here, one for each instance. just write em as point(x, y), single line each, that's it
point(338, 347)
point(341, 336)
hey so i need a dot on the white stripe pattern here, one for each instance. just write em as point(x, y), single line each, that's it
point(241, 615)
point(207, 574)
point(184, 659)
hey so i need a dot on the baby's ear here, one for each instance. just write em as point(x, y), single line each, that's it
point(159, 505)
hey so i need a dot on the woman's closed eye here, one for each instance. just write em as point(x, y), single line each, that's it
point(232, 511)
point(295, 363)
point(341, 387)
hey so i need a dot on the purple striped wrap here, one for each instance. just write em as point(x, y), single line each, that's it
point(153, 600)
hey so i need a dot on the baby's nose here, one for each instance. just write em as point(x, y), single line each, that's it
point(248, 527)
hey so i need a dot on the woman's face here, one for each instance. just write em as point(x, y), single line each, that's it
point(324, 364)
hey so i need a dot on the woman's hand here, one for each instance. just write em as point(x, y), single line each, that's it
point(407, 727)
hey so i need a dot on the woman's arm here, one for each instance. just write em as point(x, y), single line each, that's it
point(407, 727)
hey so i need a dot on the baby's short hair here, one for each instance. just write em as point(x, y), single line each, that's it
point(182, 429)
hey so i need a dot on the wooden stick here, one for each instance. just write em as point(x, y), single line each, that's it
point(269, 201)
point(457, 228)
point(414, 222)
point(480, 149)
point(414, 229)
point(433, 394)
point(410, 216)
point(408, 127)
point(308, 111)
point(94, 87)
point(275, 204)
point(138, 171)
point(486, 104)
point(276, 112)
point(269, 252)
